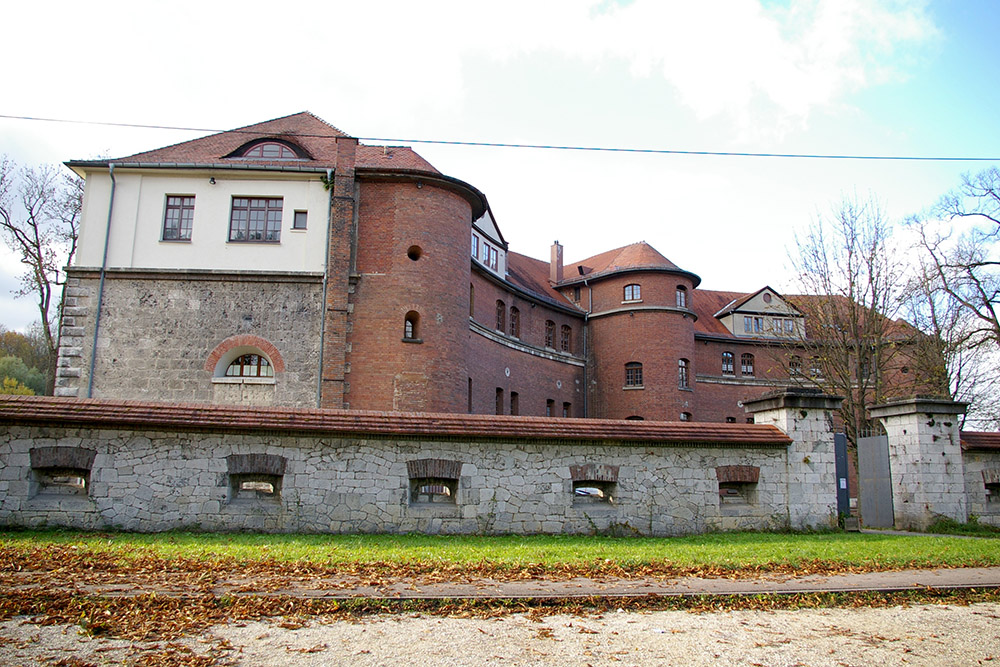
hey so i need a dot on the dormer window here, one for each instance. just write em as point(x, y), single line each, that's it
point(269, 150)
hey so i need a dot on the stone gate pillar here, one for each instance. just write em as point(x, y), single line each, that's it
point(925, 460)
point(806, 416)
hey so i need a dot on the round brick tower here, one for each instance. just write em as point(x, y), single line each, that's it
point(409, 303)
point(641, 330)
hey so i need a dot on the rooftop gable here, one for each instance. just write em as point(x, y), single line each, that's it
point(757, 302)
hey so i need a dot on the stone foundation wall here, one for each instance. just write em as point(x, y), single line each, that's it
point(150, 480)
point(158, 329)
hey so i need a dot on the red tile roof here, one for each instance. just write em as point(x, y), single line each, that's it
point(204, 417)
point(980, 440)
point(313, 134)
point(533, 275)
point(635, 256)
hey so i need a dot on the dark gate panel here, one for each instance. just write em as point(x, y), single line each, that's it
point(874, 482)
point(840, 458)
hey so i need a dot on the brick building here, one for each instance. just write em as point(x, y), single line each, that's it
point(285, 263)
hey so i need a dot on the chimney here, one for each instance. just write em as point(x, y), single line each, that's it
point(556, 264)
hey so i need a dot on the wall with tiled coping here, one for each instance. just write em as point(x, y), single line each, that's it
point(504, 479)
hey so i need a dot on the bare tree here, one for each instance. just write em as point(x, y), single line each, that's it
point(959, 289)
point(39, 220)
point(850, 281)
point(960, 237)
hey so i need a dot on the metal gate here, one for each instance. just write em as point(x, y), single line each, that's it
point(840, 459)
point(874, 482)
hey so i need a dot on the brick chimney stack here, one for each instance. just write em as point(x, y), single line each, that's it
point(556, 264)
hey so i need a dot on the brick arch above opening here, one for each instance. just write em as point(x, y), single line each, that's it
point(245, 340)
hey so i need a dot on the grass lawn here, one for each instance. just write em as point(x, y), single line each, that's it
point(713, 551)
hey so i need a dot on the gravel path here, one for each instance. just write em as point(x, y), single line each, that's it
point(915, 635)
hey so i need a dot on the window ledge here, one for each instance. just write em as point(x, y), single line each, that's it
point(238, 242)
point(633, 386)
point(242, 380)
point(632, 301)
point(413, 340)
point(684, 389)
point(175, 240)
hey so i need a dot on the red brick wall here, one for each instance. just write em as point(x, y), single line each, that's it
point(534, 378)
point(386, 373)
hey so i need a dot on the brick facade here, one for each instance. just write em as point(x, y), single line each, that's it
point(396, 313)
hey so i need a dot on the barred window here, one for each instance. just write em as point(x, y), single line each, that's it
point(550, 333)
point(564, 337)
point(728, 365)
point(515, 322)
point(746, 364)
point(682, 373)
point(501, 315)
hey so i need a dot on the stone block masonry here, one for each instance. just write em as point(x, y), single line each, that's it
point(158, 329)
point(158, 467)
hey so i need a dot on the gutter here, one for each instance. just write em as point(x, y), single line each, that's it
point(100, 288)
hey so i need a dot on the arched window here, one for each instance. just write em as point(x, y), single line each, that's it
point(515, 322)
point(816, 367)
point(682, 373)
point(685, 416)
point(550, 334)
point(501, 315)
point(472, 300)
point(564, 336)
point(746, 364)
point(682, 296)
point(728, 364)
point(635, 418)
point(250, 366)
point(411, 326)
point(633, 292)
point(633, 374)
point(270, 150)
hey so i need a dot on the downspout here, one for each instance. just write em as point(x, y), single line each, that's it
point(586, 351)
point(100, 287)
point(326, 263)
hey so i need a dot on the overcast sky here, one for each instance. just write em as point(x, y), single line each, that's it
point(848, 77)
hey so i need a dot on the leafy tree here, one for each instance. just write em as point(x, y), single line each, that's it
point(29, 348)
point(12, 386)
point(13, 368)
point(39, 220)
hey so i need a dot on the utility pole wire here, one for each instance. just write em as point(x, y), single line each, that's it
point(599, 149)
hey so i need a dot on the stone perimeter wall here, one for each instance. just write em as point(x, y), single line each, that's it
point(151, 480)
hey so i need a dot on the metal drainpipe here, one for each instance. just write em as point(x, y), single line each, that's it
point(326, 262)
point(586, 352)
point(100, 287)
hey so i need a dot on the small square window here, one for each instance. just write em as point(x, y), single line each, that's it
point(593, 491)
point(63, 481)
point(254, 486)
point(433, 490)
point(299, 221)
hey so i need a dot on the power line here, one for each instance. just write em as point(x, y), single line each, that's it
point(557, 147)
